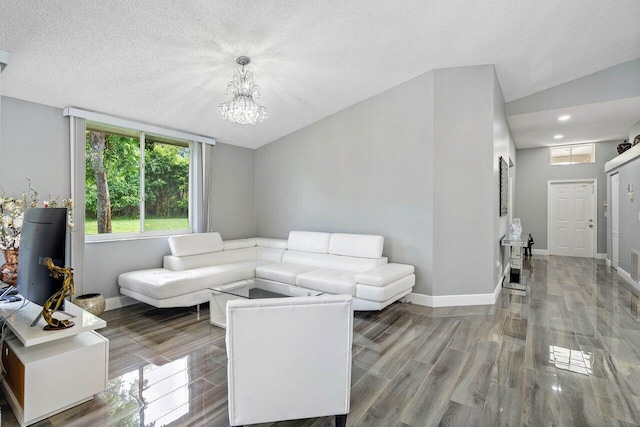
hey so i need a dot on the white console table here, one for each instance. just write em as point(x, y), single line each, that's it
point(51, 371)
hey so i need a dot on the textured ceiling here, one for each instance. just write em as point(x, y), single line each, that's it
point(168, 62)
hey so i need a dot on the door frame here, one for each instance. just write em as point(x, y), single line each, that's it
point(613, 214)
point(593, 181)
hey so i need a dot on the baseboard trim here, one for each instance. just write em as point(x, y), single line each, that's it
point(608, 262)
point(540, 252)
point(455, 300)
point(545, 252)
point(119, 302)
point(627, 277)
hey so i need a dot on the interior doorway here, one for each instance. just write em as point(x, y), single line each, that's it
point(571, 218)
point(615, 220)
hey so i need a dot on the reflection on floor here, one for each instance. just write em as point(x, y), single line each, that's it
point(568, 353)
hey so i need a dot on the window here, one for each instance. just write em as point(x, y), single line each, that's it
point(573, 154)
point(135, 182)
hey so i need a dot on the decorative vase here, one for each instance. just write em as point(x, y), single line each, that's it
point(93, 303)
point(9, 270)
point(622, 147)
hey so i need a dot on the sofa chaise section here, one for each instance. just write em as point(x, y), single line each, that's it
point(198, 262)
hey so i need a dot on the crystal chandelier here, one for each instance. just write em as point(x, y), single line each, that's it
point(242, 109)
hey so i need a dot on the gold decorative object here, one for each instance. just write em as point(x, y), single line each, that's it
point(9, 270)
point(55, 301)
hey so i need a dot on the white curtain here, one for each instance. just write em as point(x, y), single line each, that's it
point(202, 163)
point(76, 247)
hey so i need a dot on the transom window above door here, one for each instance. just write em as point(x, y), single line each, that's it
point(573, 154)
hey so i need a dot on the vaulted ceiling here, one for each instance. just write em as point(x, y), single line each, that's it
point(168, 62)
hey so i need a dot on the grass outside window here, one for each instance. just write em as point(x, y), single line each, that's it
point(132, 225)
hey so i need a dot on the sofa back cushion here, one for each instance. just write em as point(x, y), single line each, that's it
point(194, 244)
point(332, 262)
point(357, 245)
point(309, 241)
point(269, 254)
point(239, 244)
point(179, 263)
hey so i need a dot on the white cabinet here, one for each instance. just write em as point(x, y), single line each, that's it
point(51, 371)
point(45, 379)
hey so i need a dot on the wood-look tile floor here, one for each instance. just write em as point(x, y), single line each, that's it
point(567, 354)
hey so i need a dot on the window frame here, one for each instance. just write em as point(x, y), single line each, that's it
point(142, 234)
point(571, 147)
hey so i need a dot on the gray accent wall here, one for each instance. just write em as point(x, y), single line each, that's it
point(463, 170)
point(532, 175)
point(416, 164)
point(35, 145)
point(232, 206)
point(629, 173)
point(503, 146)
point(634, 131)
point(367, 169)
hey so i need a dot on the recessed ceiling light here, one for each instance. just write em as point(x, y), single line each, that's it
point(564, 118)
point(558, 136)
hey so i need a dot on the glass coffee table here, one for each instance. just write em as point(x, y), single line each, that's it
point(249, 289)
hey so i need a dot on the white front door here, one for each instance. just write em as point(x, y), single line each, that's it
point(615, 219)
point(572, 219)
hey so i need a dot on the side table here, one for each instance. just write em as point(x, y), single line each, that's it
point(517, 278)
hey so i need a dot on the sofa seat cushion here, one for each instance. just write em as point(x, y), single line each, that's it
point(337, 282)
point(160, 283)
point(284, 273)
point(384, 274)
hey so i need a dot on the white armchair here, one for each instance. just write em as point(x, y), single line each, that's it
point(289, 358)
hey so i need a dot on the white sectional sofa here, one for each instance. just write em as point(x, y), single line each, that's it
point(333, 263)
